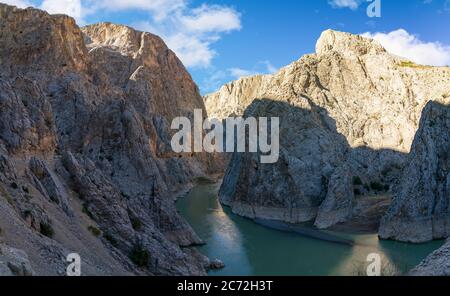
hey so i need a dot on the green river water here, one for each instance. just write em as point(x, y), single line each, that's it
point(247, 248)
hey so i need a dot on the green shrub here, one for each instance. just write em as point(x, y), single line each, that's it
point(376, 186)
point(139, 255)
point(46, 229)
point(357, 181)
point(26, 214)
point(136, 223)
point(87, 211)
point(357, 191)
point(110, 239)
point(95, 231)
point(409, 64)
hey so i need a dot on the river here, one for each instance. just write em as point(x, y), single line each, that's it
point(248, 248)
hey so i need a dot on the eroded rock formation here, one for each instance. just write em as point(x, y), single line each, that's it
point(436, 264)
point(421, 210)
point(348, 117)
point(85, 158)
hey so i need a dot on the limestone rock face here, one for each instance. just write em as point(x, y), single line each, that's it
point(348, 117)
point(14, 262)
point(421, 210)
point(85, 157)
point(436, 264)
point(338, 205)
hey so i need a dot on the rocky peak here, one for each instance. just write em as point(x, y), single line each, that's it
point(35, 40)
point(119, 37)
point(347, 44)
point(139, 62)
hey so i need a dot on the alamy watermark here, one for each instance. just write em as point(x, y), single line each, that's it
point(374, 8)
point(374, 267)
point(230, 135)
point(74, 267)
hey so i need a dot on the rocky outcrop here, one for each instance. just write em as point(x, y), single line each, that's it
point(85, 157)
point(14, 262)
point(436, 264)
point(421, 210)
point(338, 205)
point(348, 117)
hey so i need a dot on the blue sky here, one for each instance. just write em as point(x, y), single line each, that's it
point(222, 40)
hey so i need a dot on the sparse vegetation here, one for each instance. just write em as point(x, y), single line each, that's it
point(139, 255)
point(357, 181)
point(386, 172)
point(87, 211)
point(26, 214)
point(136, 223)
point(203, 180)
point(46, 229)
point(376, 186)
point(95, 231)
point(25, 189)
point(110, 239)
point(409, 64)
point(14, 185)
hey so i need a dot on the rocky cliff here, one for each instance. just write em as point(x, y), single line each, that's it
point(420, 211)
point(348, 117)
point(85, 158)
point(436, 264)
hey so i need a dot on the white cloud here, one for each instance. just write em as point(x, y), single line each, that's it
point(159, 8)
point(68, 7)
point(352, 4)
point(18, 3)
point(238, 72)
point(407, 45)
point(212, 19)
point(220, 77)
point(192, 33)
point(262, 67)
point(270, 68)
point(191, 49)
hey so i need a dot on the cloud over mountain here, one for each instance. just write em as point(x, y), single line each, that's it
point(410, 46)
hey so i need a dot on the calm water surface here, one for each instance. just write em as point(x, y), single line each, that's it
point(250, 249)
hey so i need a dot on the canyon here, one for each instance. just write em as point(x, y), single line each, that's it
point(348, 116)
point(364, 139)
point(87, 165)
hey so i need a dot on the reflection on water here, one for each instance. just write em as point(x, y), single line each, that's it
point(247, 248)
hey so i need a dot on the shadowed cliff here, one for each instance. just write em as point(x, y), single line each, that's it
point(319, 176)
